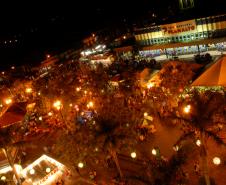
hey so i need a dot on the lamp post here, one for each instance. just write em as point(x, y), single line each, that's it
point(58, 106)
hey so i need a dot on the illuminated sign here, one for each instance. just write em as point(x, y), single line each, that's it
point(180, 27)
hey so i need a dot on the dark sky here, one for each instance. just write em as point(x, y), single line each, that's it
point(29, 30)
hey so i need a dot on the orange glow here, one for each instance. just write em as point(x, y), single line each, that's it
point(8, 101)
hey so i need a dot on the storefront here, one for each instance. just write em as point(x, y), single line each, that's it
point(183, 37)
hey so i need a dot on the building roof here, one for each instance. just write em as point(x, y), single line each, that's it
point(13, 114)
point(215, 75)
point(44, 170)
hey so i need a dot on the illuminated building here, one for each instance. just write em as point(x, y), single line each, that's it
point(44, 171)
point(183, 37)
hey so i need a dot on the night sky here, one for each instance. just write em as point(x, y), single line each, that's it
point(31, 30)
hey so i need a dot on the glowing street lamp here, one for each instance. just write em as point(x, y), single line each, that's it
point(150, 85)
point(57, 104)
point(145, 114)
point(198, 142)
point(8, 101)
point(90, 104)
point(133, 155)
point(80, 165)
point(78, 89)
point(40, 118)
point(28, 90)
point(216, 161)
point(3, 178)
point(187, 109)
point(154, 151)
point(50, 114)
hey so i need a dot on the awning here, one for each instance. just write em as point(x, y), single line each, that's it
point(15, 113)
point(183, 44)
point(215, 75)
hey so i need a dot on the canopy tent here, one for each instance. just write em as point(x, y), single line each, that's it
point(215, 75)
point(44, 171)
point(13, 114)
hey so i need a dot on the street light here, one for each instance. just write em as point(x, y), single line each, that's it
point(133, 155)
point(57, 104)
point(198, 142)
point(90, 104)
point(8, 101)
point(80, 165)
point(3, 178)
point(216, 161)
point(187, 109)
point(78, 89)
point(154, 151)
point(28, 90)
point(150, 85)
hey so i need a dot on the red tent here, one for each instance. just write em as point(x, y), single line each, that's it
point(15, 113)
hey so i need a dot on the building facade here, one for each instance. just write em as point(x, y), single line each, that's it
point(193, 34)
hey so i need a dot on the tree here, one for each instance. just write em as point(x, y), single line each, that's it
point(6, 143)
point(197, 111)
